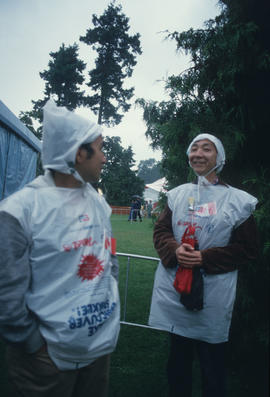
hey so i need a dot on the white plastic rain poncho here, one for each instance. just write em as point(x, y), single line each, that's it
point(72, 290)
point(218, 210)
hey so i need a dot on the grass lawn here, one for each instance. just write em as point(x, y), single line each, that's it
point(139, 362)
point(133, 237)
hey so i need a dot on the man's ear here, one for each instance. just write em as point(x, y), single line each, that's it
point(80, 155)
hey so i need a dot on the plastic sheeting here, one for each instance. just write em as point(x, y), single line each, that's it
point(17, 163)
point(19, 149)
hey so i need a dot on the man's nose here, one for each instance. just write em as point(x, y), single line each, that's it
point(198, 152)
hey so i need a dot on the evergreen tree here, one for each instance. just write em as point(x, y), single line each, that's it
point(149, 170)
point(115, 62)
point(224, 92)
point(63, 79)
point(118, 181)
point(27, 120)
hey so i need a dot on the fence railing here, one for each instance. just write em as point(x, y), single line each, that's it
point(137, 257)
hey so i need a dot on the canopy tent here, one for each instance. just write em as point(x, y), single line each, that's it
point(19, 148)
point(152, 190)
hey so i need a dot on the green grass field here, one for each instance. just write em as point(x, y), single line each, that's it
point(138, 366)
point(139, 362)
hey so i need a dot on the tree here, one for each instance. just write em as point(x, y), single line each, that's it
point(168, 127)
point(149, 170)
point(225, 91)
point(118, 181)
point(26, 119)
point(115, 62)
point(65, 76)
point(63, 79)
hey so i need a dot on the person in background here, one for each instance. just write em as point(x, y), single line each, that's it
point(138, 206)
point(149, 209)
point(143, 210)
point(207, 230)
point(132, 212)
point(58, 275)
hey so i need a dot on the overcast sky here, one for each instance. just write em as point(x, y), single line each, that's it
point(31, 29)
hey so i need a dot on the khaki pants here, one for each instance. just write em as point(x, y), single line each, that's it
point(35, 375)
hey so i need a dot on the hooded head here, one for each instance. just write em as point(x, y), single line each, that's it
point(63, 133)
point(220, 161)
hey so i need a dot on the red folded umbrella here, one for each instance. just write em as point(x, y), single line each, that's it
point(183, 278)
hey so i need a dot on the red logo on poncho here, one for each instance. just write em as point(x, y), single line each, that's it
point(90, 267)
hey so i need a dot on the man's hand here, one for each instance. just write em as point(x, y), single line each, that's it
point(188, 257)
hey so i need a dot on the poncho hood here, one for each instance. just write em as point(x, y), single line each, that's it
point(218, 144)
point(63, 133)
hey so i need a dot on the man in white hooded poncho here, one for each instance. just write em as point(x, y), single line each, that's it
point(58, 290)
point(220, 218)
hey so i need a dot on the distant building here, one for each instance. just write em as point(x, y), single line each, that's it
point(19, 149)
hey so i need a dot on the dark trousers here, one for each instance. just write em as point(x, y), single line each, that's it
point(212, 358)
point(35, 375)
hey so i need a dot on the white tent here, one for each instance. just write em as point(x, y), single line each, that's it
point(152, 190)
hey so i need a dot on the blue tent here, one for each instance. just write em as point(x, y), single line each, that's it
point(19, 149)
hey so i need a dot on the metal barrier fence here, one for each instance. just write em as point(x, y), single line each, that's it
point(140, 257)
